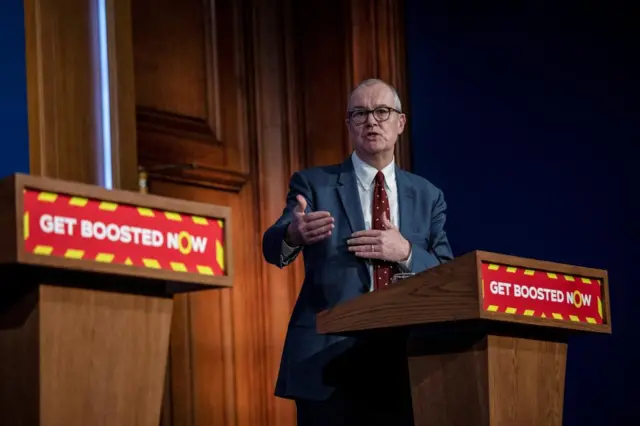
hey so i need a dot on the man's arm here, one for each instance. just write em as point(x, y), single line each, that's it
point(274, 248)
point(298, 225)
point(439, 250)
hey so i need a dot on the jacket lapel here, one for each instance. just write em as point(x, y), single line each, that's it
point(348, 192)
point(406, 202)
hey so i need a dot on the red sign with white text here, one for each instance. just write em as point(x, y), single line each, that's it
point(541, 294)
point(102, 231)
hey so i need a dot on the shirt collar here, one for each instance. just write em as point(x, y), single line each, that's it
point(366, 173)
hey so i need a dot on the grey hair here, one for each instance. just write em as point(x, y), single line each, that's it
point(371, 82)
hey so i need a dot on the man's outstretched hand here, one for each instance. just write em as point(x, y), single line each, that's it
point(387, 244)
point(308, 228)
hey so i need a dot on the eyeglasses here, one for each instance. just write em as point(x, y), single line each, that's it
point(359, 116)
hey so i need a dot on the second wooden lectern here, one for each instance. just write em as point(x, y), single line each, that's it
point(88, 277)
point(486, 335)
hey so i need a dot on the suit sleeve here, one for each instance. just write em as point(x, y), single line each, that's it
point(274, 248)
point(439, 250)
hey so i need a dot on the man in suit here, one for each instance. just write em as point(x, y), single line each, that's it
point(356, 223)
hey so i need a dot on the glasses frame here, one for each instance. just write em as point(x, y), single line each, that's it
point(372, 112)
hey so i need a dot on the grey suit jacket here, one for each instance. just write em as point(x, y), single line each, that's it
point(334, 275)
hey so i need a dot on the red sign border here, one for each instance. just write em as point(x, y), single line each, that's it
point(23, 182)
point(482, 257)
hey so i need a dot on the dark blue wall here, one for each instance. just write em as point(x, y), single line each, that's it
point(522, 113)
point(14, 138)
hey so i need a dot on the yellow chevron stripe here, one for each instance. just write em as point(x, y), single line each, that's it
point(110, 207)
point(221, 224)
point(47, 197)
point(78, 201)
point(574, 318)
point(492, 308)
point(529, 312)
point(205, 270)
point(105, 257)
point(557, 316)
point(43, 250)
point(151, 263)
point(146, 212)
point(543, 315)
point(25, 226)
point(586, 280)
point(173, 216)
point(493, 267)
point(529, 272)
point(600, 307)
point(177, 266)
point(220, 254)
point(511, 310)
point(74, 254)
point(591, 320)
point(512, 269)
point(199, 220)
point(128, 261)
point(552, 275)
point(569, 278)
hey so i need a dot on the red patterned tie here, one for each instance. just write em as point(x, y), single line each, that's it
point(381, 270)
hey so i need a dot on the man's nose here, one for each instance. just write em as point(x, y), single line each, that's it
point(371, 120)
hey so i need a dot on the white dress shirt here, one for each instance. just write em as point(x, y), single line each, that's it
point(365, 175)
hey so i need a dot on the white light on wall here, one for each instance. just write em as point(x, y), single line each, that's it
point(104, 95)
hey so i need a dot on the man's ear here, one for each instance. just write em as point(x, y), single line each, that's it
point(348, 124)
point(402, 121)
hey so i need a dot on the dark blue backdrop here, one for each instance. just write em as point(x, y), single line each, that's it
point(14, 138)
point(521, 112)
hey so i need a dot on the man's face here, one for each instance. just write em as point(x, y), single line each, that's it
point(374, 135)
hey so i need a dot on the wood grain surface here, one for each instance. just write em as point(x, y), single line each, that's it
point(77, 356)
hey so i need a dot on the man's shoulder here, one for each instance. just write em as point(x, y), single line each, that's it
point(420, 182)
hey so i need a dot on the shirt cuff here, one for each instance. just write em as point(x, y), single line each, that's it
point(287, 250)
point(405, 266)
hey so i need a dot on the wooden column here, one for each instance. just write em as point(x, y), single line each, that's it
point(124, 149)
point(63, 83)
point(64, 91)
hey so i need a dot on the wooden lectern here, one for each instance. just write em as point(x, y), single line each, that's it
point(486, 335)
point(88, 276)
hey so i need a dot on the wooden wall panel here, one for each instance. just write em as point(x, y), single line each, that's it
point(321, 55)
point(376, 46)
point(62, 87)
point(64, 92)
point(278, 132)
point(124, 152)
point(191, 111)
point(203, 351)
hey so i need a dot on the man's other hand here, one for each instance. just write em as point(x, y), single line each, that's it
point(387, 244)
point(308, 228)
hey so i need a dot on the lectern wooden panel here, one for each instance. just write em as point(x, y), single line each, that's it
point(486, 335)
point(88, 280)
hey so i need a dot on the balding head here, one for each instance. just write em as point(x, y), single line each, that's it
point(397, 104)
